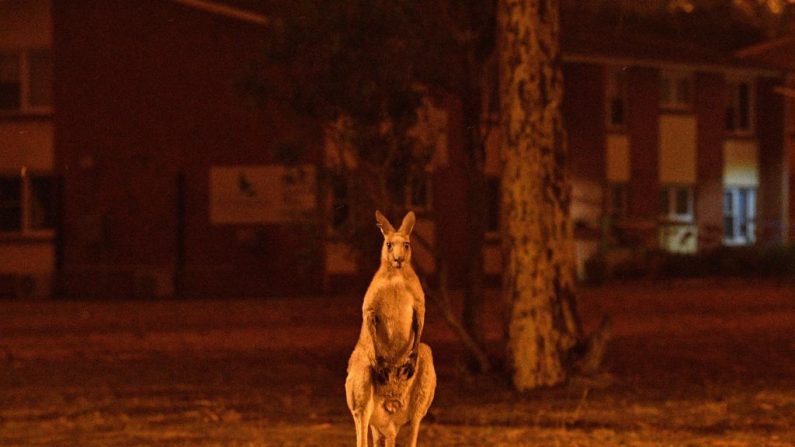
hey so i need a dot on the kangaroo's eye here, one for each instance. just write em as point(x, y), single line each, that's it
point(389, 246)
point(406, 245)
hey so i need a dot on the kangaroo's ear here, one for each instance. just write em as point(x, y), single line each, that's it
point(408, 223)
point(383, 224)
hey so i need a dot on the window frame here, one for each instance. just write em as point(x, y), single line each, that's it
point(671, 214)
point(26, 229)
point(749, 219)
point(24, 75)
point(734, 102)
point(674, 79)
point(615, 87)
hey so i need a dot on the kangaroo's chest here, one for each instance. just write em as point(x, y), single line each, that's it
point(394, 309)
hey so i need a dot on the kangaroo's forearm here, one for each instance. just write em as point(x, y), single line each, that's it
point(418, 325)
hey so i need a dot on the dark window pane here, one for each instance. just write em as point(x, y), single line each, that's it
point(682, 201)
point(744, 106)
point(9, 82)
point(10, 204)
point(40, 78)
point(42, 203)
point(10, 218)
point(9, 96)
point(730, 118)
point(617, 111)
point(10, 190)
point(728, 203)
point(340, 210)
point(683, 91)
point(728, 227)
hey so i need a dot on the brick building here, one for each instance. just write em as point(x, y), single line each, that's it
point(123, 120)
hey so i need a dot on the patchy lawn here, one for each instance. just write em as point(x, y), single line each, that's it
point(693, 363)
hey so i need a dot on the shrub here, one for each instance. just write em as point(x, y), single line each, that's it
point(765, 261)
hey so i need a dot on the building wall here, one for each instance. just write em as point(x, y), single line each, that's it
point(145, 92)
point(584, 116)
point(25, 24)
point(26, 142)
point(146, 95)
point(643, 129)
point(773, 220)
point(710, 89)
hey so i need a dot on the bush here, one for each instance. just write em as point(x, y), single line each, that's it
point(767, 261)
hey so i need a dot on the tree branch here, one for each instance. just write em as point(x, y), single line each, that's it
point(442, 299)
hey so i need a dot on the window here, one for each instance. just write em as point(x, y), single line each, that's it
point(27, 203)
point(676, 89)
point(739, 110)
point(617, 200)
point(739, 216)
point(615, 91)
point(409, 186)
point(26, 81)
point(10, 204)
point(340, 211)
point(676, 203)
point(418, 192)
point(10, 85)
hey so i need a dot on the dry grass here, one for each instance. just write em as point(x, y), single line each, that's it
point(696, 363)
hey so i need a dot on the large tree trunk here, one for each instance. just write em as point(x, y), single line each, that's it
point(537, 236)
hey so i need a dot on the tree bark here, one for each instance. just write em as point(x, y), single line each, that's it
point(537, 235)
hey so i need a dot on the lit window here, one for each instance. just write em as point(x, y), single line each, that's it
point(739, 110)
point(676, 203)
point(676, 90)
point(616, 97)
point(27, 203)
point(739, 216)
point(26, 81)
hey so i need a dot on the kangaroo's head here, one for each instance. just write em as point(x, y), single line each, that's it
point(396, 250)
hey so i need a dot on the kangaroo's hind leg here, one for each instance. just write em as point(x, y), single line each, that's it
point(378, 440)
point(359, 394)
point(423, 392)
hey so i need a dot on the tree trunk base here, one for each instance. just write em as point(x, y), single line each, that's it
point(589, 354)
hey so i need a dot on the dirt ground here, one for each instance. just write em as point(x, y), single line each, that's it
point(694, 363)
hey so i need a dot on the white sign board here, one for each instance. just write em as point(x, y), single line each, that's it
point(261, 194)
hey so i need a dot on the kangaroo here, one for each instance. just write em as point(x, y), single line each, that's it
point(391, 379)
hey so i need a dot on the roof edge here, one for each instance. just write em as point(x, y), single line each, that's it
point(671, 65)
